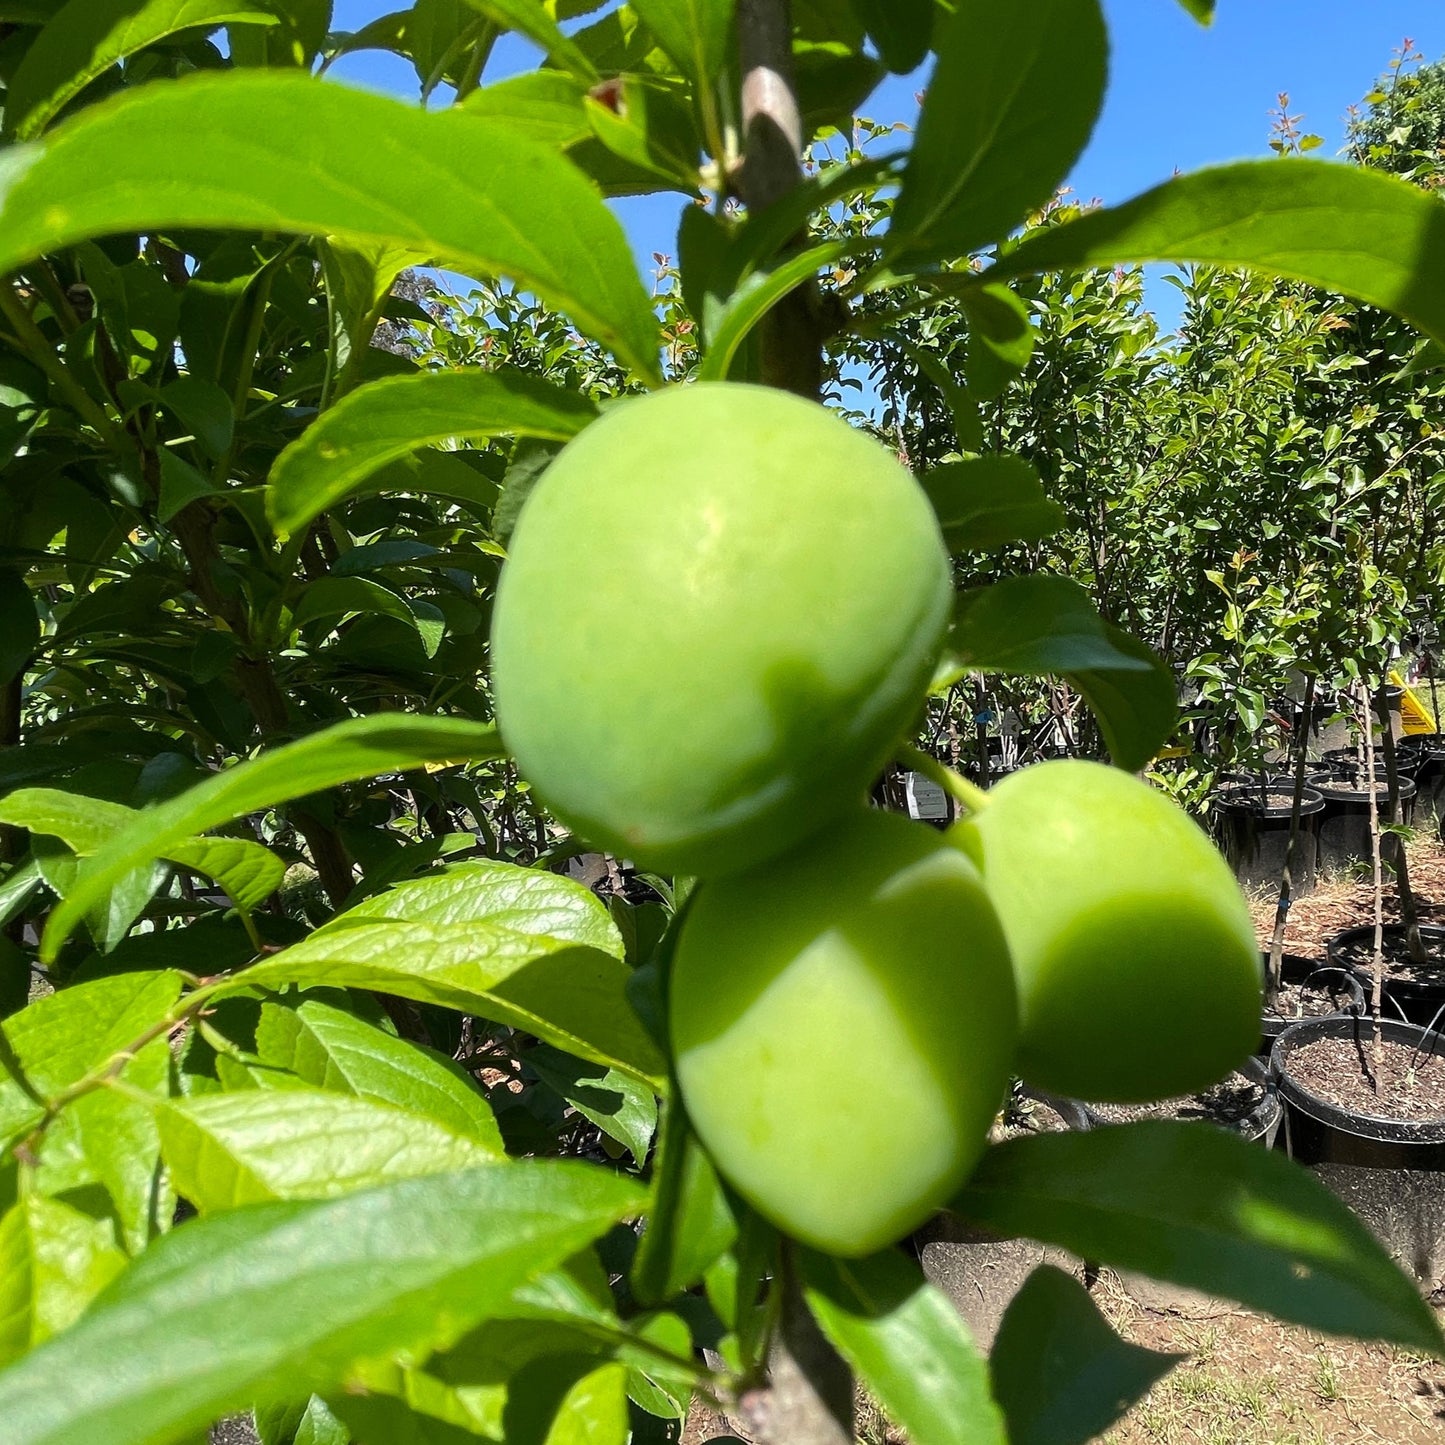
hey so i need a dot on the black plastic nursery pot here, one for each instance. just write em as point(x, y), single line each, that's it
point(1419, 994)
point(1427, 758)
point(1346, 762)
point(1389, 1171)
point(1254, 833)
point(1344, 827)
point(1339, 994)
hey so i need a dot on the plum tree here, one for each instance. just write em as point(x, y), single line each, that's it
point(1136, 961)
point(873, 942)
point(720, 611)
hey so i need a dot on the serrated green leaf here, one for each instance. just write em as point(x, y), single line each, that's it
point(984, 502)
point(908, 1343)
point(1060, 1373)
point(1346, 228)
point(357, 748)
point(302, 1423)
point(283, 152)
point(332, 1049)
point(1012, 102)
point(388, 419)
point(226, 1150)
point(409, 1266)
point(53, 1261)
point(505, 895)
point(1207, 1209)
point(87, 37)
point(569, 995)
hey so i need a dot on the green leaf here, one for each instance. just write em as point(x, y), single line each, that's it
point(181, 484)
point(336, 1050)
point(504, 895)
point(574, 997)
point(901, 29)
point(757, 295)
point(282, 152)
point(908, 1343)
point(226, 1150)
point(1346, 228)
point(1137, 710)
point(1206, 1209)
point(311, 1423)
point(87, 37)
point(53, 1261)
point(106, 1136)
point(1000, 339)
point(690, 1223)
point(1201, 10)
point(357, 748)
point(697, 34)
point(391, 418)
point(621, 1107)
point(543, 104)
point(66, 1036)
point(1060, 1373)
point(19, 626)
point(1013, 99)
point(1041, 624)
point(984, 502)
point(249, 873)
point(528, 18)
point(1030, 626)
point(289, 1296)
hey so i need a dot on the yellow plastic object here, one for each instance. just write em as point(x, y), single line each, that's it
point(1416, 717)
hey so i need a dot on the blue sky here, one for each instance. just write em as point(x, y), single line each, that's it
point(1180, 96)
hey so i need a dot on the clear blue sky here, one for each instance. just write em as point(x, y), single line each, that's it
point(1179, 96)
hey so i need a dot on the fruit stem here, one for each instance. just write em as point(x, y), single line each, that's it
point(974, 798)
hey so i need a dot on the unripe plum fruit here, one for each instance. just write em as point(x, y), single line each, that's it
point(843, 1027)
point(720, 611)
point(1135, 957)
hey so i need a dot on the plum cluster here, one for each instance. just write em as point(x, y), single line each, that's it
point(719, 618)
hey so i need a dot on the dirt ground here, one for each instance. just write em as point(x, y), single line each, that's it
point(1346, 900)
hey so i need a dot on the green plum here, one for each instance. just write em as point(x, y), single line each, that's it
point(1136, 961)
point(720, 611)
point(843, 1023)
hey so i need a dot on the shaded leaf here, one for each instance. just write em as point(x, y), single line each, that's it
point(1060, 1373)
point(984, 502)
point(697, 34)
point(19, 625)
point(1012, 101)
point(1207, 1209)
point(621, 1107)
point(901, 29)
